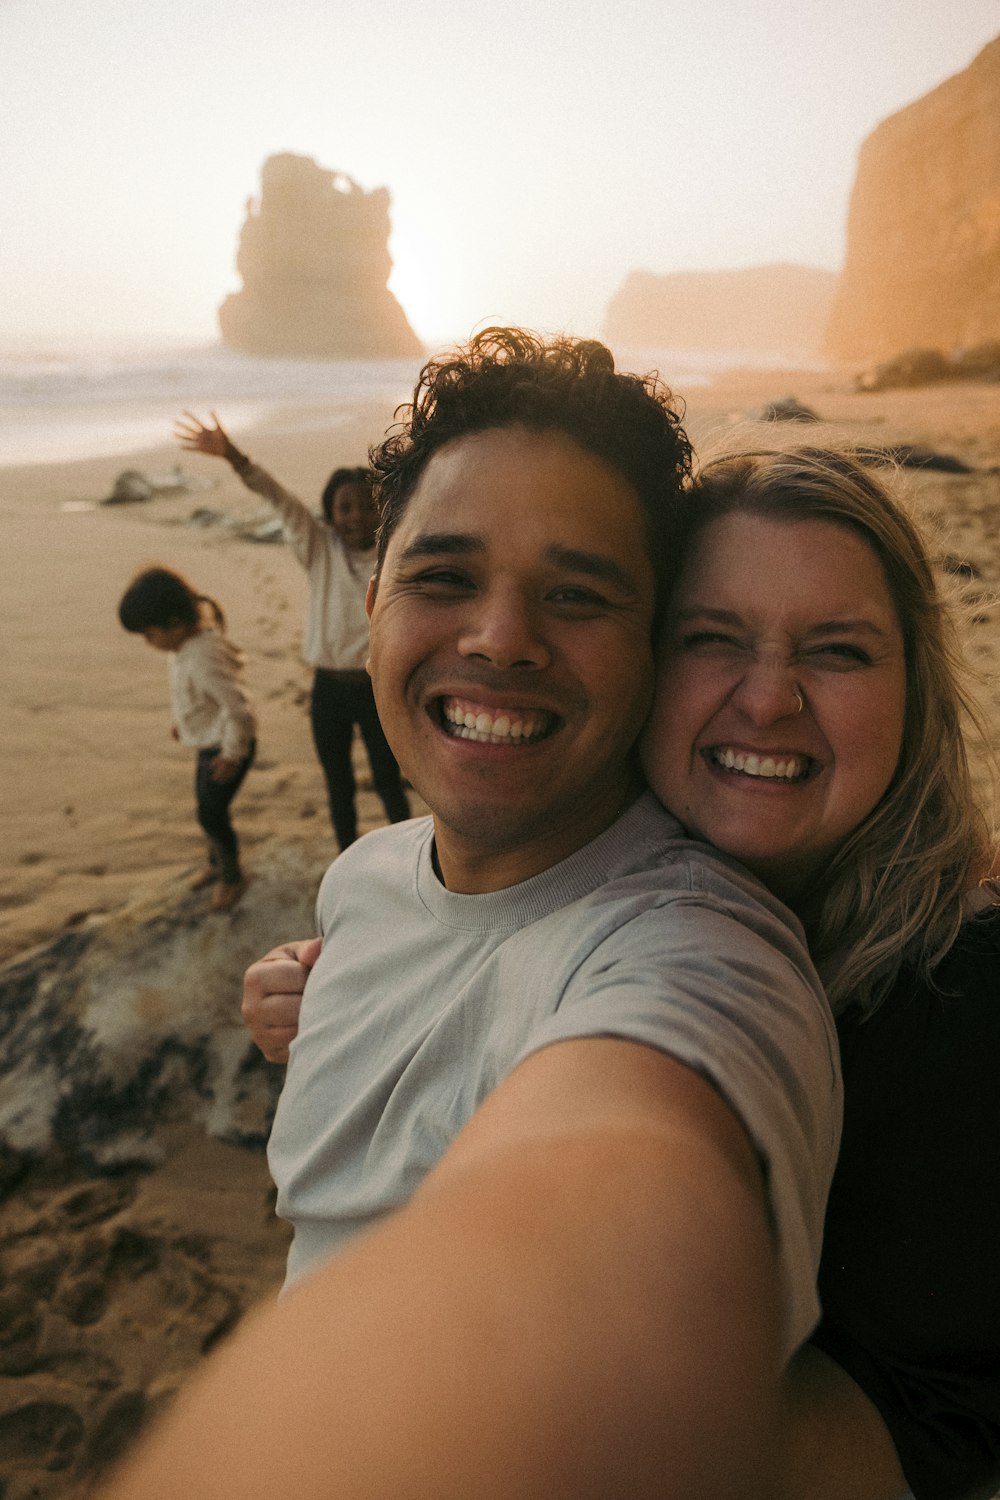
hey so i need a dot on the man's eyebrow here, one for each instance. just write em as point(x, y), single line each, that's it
point(438, 543)
point(596, 565)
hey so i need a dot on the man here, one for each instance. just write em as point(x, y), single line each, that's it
point(573, 1073)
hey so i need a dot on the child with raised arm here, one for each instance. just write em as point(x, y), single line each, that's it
point(210, 710)
point(338, 554)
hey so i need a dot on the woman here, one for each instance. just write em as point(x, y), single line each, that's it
point(809, 721)
point(338, 554)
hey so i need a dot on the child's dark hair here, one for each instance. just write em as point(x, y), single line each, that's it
point(360, 475)
point(158, 598)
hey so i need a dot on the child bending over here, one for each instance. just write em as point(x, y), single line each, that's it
point(209, 708)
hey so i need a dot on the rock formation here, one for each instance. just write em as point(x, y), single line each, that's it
point(314, 259)
point(779, 309)
point(922, 267)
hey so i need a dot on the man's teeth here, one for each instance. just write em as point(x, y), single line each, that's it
point(788, 768)
point(507, 727)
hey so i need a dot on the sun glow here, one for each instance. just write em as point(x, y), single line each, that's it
point(418, 281)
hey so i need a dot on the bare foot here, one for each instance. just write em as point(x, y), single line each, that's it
point(207, 876)
point(225, 896)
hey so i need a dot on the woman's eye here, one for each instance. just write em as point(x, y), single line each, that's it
point(703, 640)
point(842, 653)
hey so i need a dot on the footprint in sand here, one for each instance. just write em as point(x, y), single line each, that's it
point(20, 1331)
point(94, 1203)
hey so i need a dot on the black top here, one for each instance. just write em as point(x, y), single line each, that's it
point(910, 1275)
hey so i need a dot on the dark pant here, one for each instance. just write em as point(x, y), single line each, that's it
point(339, 701)
point(213, 799)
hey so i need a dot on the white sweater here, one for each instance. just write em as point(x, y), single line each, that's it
point(207, 700)
point(336, 633)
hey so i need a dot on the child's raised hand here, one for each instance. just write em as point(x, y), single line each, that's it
point(272, 996)
point(194, 434)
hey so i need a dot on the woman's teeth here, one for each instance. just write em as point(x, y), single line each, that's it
point(500, 727)
point(768, 767)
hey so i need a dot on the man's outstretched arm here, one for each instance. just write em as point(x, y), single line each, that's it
point(832, 1441)
point(580, 1301)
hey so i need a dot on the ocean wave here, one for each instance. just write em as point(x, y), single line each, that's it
point(54, 376)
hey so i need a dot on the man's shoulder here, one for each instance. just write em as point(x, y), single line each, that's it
point(667, 899)
point(648, 849)
point(388, 854)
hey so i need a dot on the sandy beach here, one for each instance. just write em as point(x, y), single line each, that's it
point(115, 1284)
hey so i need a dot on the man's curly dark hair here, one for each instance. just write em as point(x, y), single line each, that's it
point(509, 377)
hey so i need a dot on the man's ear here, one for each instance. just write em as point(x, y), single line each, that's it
point(370, 594)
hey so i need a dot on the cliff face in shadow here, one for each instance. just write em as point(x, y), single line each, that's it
point(779, 309)
point(923, 241)
point(314, 259)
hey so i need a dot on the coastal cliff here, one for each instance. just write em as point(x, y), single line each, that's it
point(922, 267)
point(777, 309)
point(314, 258)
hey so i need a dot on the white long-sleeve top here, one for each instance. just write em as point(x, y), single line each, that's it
point(336, 633)
point(207, 700)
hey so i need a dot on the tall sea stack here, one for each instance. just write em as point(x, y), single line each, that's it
point(922, 267)
point(314, 259)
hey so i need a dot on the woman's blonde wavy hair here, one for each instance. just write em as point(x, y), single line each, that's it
point(896, 890)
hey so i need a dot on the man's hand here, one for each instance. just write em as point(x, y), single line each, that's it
point(272, 996)
point(193, 434)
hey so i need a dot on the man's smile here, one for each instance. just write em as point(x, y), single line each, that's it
point(467, 720)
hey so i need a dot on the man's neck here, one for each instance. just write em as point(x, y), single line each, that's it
point(472, 867)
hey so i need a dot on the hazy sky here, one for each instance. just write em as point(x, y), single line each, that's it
point(535, 150)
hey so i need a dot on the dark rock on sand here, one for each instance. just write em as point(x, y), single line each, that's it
point(918, 367)
point(132, 486)
point(132, 1238)
point(119, 1026)
point(783, 409)
point(912, 368)
point(908, 456)
point(979, 361)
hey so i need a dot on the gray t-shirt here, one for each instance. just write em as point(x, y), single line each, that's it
point(422, 1001)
